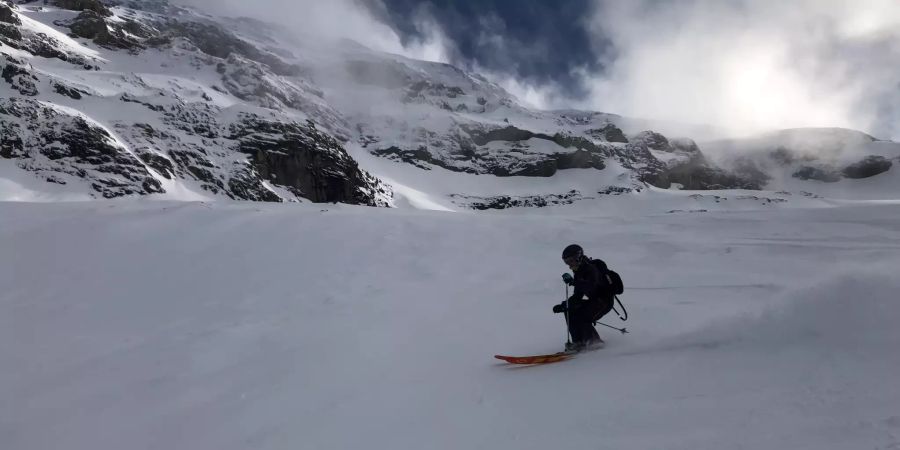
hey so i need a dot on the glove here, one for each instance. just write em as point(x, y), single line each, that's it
point(567, 278)
point(560, 308)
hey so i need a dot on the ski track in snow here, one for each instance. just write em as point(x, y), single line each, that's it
point(147, 325)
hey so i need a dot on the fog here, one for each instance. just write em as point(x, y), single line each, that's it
point(745, 66)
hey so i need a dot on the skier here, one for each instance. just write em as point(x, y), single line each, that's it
point(581, 314)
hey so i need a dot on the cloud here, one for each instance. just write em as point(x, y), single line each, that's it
point(533, 44)
point(751, 65)
point(430, 43)
point(334, 20)
point(745, 65)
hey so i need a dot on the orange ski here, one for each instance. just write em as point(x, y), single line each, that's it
point(536, 359)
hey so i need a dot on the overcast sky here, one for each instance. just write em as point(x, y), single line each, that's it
point(747, 65)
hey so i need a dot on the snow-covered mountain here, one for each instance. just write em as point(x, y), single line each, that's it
point(829, 156)
point(149, 98)
point(115, 102)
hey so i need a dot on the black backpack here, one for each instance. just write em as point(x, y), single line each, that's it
point(612, 284)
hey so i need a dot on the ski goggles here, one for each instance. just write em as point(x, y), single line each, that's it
point(571, 260)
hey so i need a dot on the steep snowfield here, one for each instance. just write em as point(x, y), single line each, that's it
point(156, 325)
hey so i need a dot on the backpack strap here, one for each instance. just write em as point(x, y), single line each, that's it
point(622, 306)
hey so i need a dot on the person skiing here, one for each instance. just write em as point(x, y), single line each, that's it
point(581, 313)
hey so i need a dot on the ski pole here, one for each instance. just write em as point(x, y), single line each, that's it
point(621, 330)
point(568, 339)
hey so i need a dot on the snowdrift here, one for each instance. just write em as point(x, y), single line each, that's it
point(148, 325)
point(849, 311)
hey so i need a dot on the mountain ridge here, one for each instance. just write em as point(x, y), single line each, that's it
point(216, 107)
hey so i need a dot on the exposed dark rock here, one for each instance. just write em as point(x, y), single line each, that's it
point(245, 185)
point(586, 155)
point(112, 188)
point(609, 133)
point(38, 44)
point(578, 142)
point(11, 145)
point(90, 25)
point(205, 175)
point(826, 174)
point(698, 177)
point(128, 98)
point(138, 29)
point(747, 169)
point(785, 156)
point(154, 6)
point(255, 83)
point(55, 180)
point(763, 200)
point(697, 173)
point(509, 133)
point(152, 186)
point(19, 78)
point(637, 157)
point(196, 119)
point(158, 41)
point(49, 48)
point(868, 167)
point(157, 162)
point(70, 92)
point(7, 15)
point(195, 163)
point(580, 159)
point(514, 158)
point(10, 35)
point(198, 166)
point(543, 168)
point(419, 89)
point(216, 41)
point(83, 5)
point(685, 145)
point(693, 173)
point(93, 25)
point(673, 211)
point(82, 141)
point(531, 201)
point(51, 144)
point(305, 159)
point(54, 144)
point(506, 201)
point(653, 140)
point(416, 157)
point(617, 190)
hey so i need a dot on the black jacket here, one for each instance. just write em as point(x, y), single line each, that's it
point(588, 282)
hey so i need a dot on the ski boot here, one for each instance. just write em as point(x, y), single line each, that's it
point(574, 347)
point(594, 344)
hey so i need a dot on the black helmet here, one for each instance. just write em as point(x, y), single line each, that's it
point(573, 251)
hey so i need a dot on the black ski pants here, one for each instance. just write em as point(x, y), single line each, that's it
point(581, 317)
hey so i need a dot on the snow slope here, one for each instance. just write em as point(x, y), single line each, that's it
point(156, 325)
